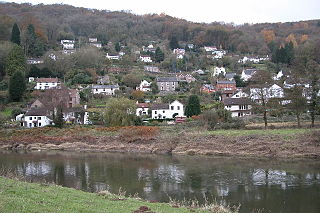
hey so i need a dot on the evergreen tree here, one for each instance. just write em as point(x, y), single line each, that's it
point(193, 106)
point(15, 60)
point(17, 86)
point(58, 118)
point(173, 43)
point(33, 45)
point(159, 55)
point(15, 34)
point(117, 47)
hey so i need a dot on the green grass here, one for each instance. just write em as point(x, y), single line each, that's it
point(6, 112)
point(17, 196)
point(281, 132)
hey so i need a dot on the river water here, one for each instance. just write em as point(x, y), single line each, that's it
point(266, 185)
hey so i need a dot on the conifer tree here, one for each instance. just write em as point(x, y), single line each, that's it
point(17, 86)
point(15, 34)
point(193, 106)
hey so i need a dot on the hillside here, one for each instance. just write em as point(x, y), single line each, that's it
point(56, 22)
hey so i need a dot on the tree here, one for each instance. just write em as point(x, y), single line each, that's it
point(154, 87)
point(193, 106)
point(15, 60)
point(120, 112)
point(159, 55)
point(15, 34)
point(173, 43)
point(58, 118)
point(117, 47)
point(33, 45)
point(17, 86)
point(132, 80)
point(298, 103)
point(239, 81)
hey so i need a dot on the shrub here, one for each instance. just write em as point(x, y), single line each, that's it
point(134, 133)
point(209, 119)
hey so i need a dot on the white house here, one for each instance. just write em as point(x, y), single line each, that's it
point(104, 89)
point(68, 44)
point(219, 70)
point(112, 57)
point(240, 94)
point(239, 107)
point(274, 91)
point(230, 76)
point(167, 111)
point(36, 117)
point(247, 74)
point(218, 54)
point(35, 61)
point(46, 83)
point(210, 48)
point(144, 86)
point(278, 76)
point(142, 109)
point(145, 58)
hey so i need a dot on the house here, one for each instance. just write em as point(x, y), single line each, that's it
point(208, 88)
point(144, 86)
point(167, 111)
point(36, 117)
point(67, 44)
point(94, 42)
point(104, 89)
point(247, 74)
point(145, 58)
point(190, 46)
point(149, 48)
point(47, 83)
point(199, 72)
point(239, 107)
point(186, 78)
point(167, 83)
point(219, 70)
point(240, 94)
point(68, 52)
point(35, 61)
point(210, 48)
point(179, 53)
point(278, 76)
point(274, 91)
point(112, 57)
point(151, 69)
point(230, 76)
point(226, 85)
point(142, 109)
point(218, 54)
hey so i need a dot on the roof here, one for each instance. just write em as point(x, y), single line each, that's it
point(143, 105)
point(159, 106)
point(230, 75)
point(249, 71)
point(37, 112)
point(167, 79)
point(237, 101)
point(47, 80)
point(104, 86)
point(226, 82)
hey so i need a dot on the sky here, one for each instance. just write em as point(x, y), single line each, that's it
point(228, 11)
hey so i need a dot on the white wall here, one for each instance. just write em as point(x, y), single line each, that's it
point(36, 121)
point(44, 85)
point(174, 107)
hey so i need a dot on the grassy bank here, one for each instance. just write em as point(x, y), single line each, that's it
point(275, 143)
point(17, 196)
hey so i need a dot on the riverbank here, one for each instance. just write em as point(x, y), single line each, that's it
point(276, 143)
point(18, 196)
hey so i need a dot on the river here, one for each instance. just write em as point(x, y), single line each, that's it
point(263, 184)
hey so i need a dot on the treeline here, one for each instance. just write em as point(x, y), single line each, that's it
point(55, 22)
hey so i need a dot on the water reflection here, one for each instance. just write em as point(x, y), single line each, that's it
point(255, 184)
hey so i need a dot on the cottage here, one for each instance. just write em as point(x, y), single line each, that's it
point(149, 48)
point(144, 86)
point(274, 91)
point(240, 94)
point(145, 58)
point(167, 83)
point(112, 57)
point(68, 44)
point(210, 48)
point(151, 69)
point(186, 78)
point(167, 111)
point(219, 70)
point(142, 109)
point(47, 83)
point(35, 61)
point(179, 53)
point(103, 79)
point(104, 89)
point(230, 76)
point(36, 117)
point(208, 88)
point(247, 74)
point(238, 107)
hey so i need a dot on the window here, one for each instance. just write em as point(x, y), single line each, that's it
point(178, 107)
point(39, 118)
point(163, 111)
point(96, 89)
point(39, 123)
point(172, 107)
point(30, 124)
point(35, 118)
point(30, 118)
point(155, 112)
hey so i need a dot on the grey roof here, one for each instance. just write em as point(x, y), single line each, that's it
point(237, 101)
point(37, 112)
point(226, 82)
point(250, 71)
point(167, 79)
point(159, 106)
point(230, 75)
point(104, 86)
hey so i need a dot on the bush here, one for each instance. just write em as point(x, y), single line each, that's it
point(235, 123)
point(208, 119)
point(15, 112)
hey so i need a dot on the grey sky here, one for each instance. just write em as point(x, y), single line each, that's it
point(236, 11)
